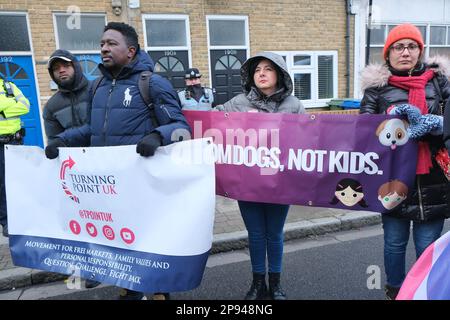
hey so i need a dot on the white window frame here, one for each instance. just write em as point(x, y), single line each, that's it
point(427, 39)
point(28, 53)
point(428, 45)
point(429, 35)
point(227, 47)
point(19, 53)
point(386, 32)
point(184, 17)
point(55, 28)
point(314, 71)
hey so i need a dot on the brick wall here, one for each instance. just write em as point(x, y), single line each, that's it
point(40, 15)
point(288, 25)
point(284, 25)
point(300, 26)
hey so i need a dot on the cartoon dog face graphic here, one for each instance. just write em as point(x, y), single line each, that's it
point(392, 133)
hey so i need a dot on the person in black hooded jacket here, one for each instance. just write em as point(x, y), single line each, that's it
point(406, 79)
point(70, 105)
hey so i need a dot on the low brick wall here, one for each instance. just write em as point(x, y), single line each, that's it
point(348, 111)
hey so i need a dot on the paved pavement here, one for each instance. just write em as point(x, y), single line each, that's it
point(229, 234)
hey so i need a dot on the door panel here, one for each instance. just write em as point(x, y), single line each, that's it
point(226, 77)
point(89, 64)
point(19, 70)
point(171, 64)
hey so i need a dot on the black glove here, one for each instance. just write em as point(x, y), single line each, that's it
point(147, 146)
point(51, 150)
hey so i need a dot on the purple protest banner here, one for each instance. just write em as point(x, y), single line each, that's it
point(363, 162)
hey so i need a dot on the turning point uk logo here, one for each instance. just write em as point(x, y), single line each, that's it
point(69, 163)
point(85, 184)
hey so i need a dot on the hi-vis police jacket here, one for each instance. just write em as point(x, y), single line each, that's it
point(11, 107)
point(204, 104)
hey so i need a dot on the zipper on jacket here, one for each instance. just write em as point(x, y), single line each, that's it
point(422, 216)
point(166, 111)
point(107, 109)
point(410, 72)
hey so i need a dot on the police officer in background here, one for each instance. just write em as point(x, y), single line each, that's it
point(194, 96)
point(12, 105)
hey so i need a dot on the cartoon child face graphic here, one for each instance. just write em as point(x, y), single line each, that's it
point(390, 201)
point(349, 192)
point(392, 193)
point(348, 196)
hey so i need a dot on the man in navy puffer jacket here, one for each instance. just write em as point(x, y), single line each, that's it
point(119, 114)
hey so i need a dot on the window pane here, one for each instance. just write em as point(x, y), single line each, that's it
point(224, 61)
point(423, 31)
point(376, 55)
point(228, 62)
point(17, 71)
point(227, 32)
point(220, 65)
point(325, 65)
point(440, 51)
point(448, 37)
point(302, 60)
point(159, 67)
point(86, 36)
point(437, 35)
point(12, 70)
point(302, 86)
point(175, 64)
point(21, 75)
point(92, 68)
point(166, 33)
point(164, 61)
point(391, 26)
point(234, 63)
point(14, 33)
point(377, 35)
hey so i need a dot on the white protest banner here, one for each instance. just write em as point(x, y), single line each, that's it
point(144, 224)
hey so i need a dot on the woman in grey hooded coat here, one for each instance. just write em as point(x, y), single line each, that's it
point(267, 88)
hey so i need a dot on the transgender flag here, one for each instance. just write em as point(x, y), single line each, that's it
point(429, 278)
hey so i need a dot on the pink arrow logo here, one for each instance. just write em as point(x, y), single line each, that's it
point(69, 163)
point(66, 163)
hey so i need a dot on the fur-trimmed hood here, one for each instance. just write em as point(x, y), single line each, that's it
point(377, 75)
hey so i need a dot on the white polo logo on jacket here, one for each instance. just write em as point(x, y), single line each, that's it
point(127, 97)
